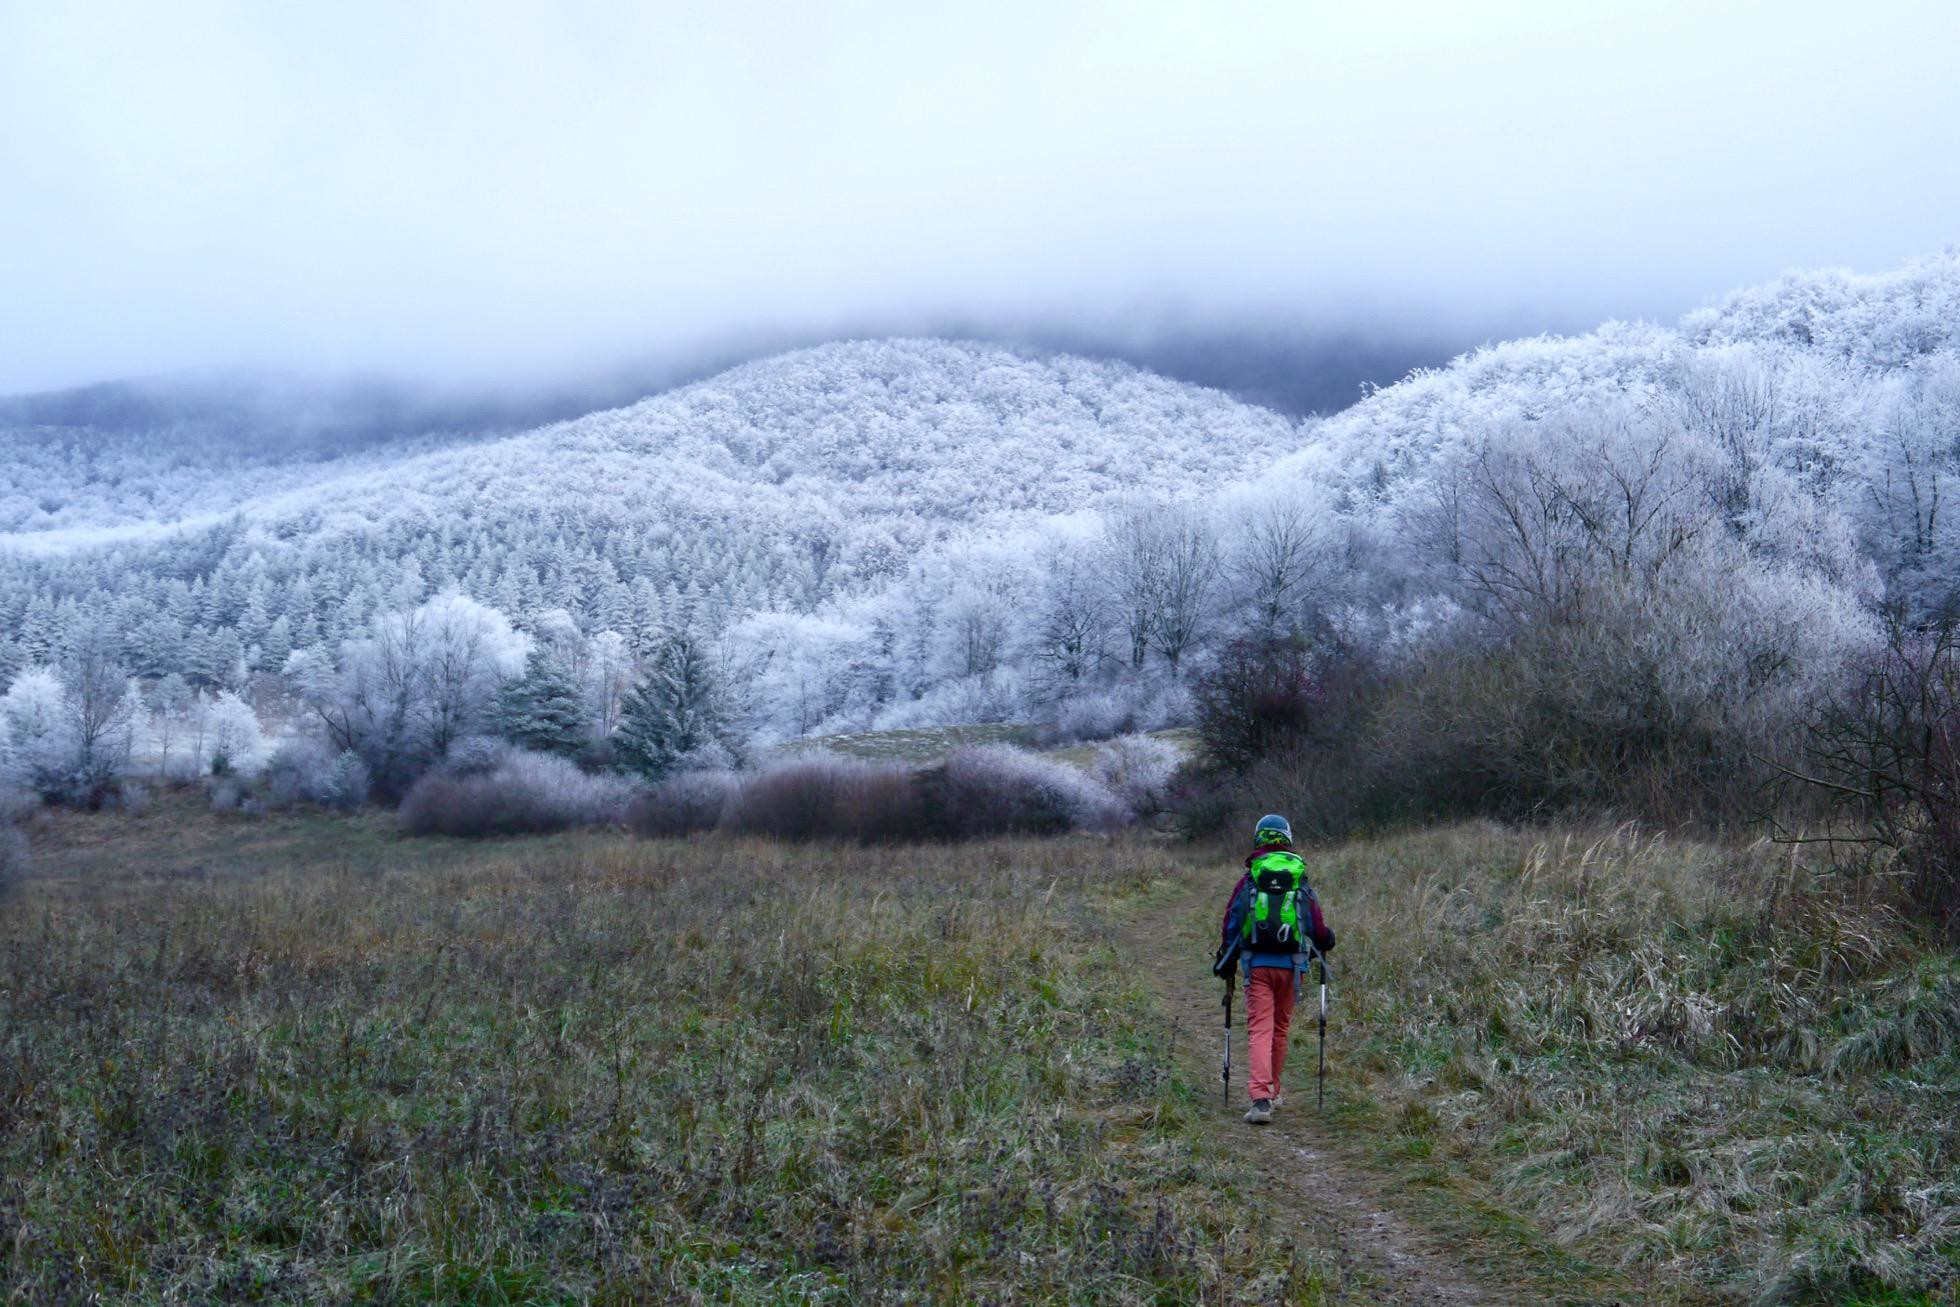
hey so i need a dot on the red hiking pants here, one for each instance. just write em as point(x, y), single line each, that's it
point(1269, 994)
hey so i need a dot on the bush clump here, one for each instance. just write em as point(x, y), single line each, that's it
point(524, 793)
point(686, 804)
point(307, 770)
point(978, 791)
point(996, 789)
point(831, 797)
point(1139, 770)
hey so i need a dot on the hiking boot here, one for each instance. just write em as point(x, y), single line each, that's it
point(1260, 1112)
point(1279, 1101)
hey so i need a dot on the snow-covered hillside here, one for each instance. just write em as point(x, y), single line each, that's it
point(1792, 447)
point(909, 532)
point(782, 483)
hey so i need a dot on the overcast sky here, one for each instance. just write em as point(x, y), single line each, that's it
point(479, 190)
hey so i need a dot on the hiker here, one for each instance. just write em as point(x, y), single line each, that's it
point(1269, 922)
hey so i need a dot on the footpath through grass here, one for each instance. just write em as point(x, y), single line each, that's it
point(1709, 1068)
point(589, 1069)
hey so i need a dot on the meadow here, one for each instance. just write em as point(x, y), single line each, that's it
point(248, 1062)
point(299, 1058)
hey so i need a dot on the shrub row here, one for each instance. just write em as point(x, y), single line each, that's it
point(1516, 731)
point(978, 791)
point(487, 788)
point(509, 791)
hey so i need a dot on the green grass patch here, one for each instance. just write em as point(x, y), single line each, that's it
point(920, 745)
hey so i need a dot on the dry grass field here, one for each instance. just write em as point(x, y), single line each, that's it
point(1714, 1070)
point(594, 1069)
point(301, 1059)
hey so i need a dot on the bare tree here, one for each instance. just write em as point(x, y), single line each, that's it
point(1161, 565)
point(1188, 565)
point(170, 708)
point(1885, 760)
point(609, 677)
point(1276, 565)
point(419, 680)
point(1129, 561)
point(1543, 522)
point(1731, 399)
point(101, 716)
point(1069, 638)
point(979, 628)
point(467, 651)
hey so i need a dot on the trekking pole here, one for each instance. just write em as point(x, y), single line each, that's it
point(1225, 1069)
point(1320, 1087)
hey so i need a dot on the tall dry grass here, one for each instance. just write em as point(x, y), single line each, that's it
point(1706, 1065)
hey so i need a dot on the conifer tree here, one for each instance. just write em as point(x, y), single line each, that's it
point(543, 709)
point(675, 711)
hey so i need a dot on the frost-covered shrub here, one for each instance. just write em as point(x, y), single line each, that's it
point(1138, 769)
point(1124, 708)
point(527, 793)
point(296, 769)
point(1094, 715)
point(829, 797)
point(420, 680)
point(308, 770)
point(478, 755)
point(32, 716)
point(236, 741)
point(997, 697)
point(684, 804)
point(72, 732)
point(32, 707)
point(996, 789)
point(708, 756)
point(348, 782)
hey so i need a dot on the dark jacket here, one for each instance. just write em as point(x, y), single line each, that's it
point(1233, 922)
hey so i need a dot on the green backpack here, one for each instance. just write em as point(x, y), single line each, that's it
point(1277, 915)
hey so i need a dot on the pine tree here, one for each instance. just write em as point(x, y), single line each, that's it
point(674, 712)
point(544, 708)
point(278, 643)
point(39, 631)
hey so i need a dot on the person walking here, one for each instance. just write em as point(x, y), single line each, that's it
point(1271, 927)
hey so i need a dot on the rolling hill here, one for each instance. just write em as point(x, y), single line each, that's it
point(878, 525)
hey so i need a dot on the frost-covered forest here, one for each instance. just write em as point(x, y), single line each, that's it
point(919, 532)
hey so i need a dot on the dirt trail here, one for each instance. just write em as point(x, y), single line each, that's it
point(1347, 1213)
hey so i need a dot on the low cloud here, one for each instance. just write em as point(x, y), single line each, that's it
point(467, 192)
